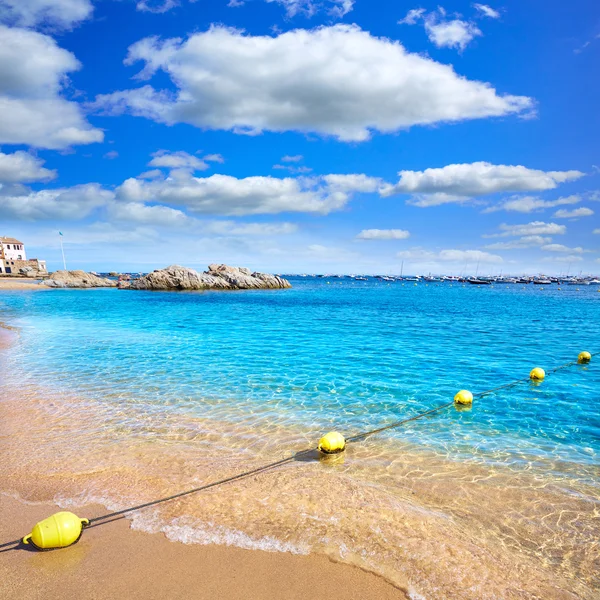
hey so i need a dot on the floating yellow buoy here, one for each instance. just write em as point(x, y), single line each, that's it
point(537, 374)
point(332, 443)
point(463, 397)
point(58, 531)
point(584, 357)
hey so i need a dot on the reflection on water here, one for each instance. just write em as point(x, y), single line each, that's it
point(121, 398)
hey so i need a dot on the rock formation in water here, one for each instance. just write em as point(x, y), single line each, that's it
point(76, 279)
point(218, 277)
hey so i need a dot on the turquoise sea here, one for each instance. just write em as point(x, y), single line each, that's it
point(126, 395)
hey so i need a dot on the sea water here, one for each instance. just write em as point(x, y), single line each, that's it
point(131, 395)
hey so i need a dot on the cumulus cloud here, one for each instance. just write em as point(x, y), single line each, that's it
point(461, 182)
point(443, 32)
point(446, 256)
point(55, 13)
point(529, 204)
point(292, 159)
point(178, 160)
point(596, 231)
point(383, 234)
point(69, 204)
point(487, 11)
point(230, 196)
point(574, 214)
point(450, 34)
point(22, 167)
point(33, 69)
point(529, 229)
point(248, 84)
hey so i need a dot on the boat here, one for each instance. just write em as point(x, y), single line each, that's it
point(474, 281)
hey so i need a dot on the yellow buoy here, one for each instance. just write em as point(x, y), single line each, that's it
point(58, 531)
point(464, 397)
point(332, 443)
point(584, 357)
point(537, 374)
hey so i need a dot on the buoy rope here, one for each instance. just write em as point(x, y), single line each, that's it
point(207, 486)
point(103, 519)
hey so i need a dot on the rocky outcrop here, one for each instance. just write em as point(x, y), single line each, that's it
point(218, 277)
point(76, 279)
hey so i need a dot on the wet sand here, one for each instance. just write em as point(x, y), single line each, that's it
point(112, 561)
point(22, 283)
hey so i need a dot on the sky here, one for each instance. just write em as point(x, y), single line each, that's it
point(302, 136)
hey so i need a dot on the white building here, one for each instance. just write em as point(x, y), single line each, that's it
point(13, 259)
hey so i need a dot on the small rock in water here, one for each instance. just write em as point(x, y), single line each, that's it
point(76, 279)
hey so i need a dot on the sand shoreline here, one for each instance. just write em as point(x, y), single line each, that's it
point(114, 561)
point(21, 283)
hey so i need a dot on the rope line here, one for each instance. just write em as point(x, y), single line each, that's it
point(103, 519)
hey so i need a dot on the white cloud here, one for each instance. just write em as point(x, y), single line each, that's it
point(487, 11)
point(561, 248)
point(214, 158)
point(383, 234)
point(412, 16)
point(33, 69)
point(353, 183)
point(250, 84)
point(450, 34)
point(529, 229)
point(111, 155)
point(22, 167)
point(156, 6)
point(574, 214)
point(596, 231)
point(456, 256)
point(56, 13)
point(291, 169)
point(460, 182)
point(249, 229)
point(292, 159)
point(177, 160)
point(564, 259)
point(444, 33)
point(528, 241)
point(336, 8)
point(529, 204)
point(66, 204)
point(229, 196)
point(148, 215)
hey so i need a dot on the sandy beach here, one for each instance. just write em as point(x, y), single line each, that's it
point(113, 561)
point(22, 283)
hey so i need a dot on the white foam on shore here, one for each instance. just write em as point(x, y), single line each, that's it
point(188, 530)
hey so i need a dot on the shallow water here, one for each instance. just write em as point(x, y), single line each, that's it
point(128, 396)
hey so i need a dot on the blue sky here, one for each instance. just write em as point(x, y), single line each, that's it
point(297, 136)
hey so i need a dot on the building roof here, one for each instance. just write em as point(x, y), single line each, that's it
point(8, 240)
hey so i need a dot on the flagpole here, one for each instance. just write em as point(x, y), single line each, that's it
point(62, 250)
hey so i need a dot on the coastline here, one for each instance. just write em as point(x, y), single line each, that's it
point(114, 561)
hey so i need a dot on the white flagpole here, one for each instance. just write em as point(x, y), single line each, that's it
point(63, 251)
